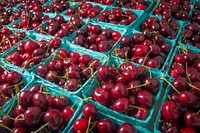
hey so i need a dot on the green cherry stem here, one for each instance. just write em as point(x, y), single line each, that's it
point(170, 84)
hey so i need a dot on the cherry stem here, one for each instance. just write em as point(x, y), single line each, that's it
point(185, 36)
point(146, 57)
point(186, 70)
point(169, 98)
point(11, 107)
point(196, 60)
point(23, 68)
point(160, 121)
point(92, 126)
point(85, 99)
point(116, 70)
point(138, 86)
point(126, 56)
point(193, 86)
point(2, 94)
point(55, 75)
point(88, 127)
point(198, 112)
point(4, 68)
point(178, 48)
point(95, 80)
point(9, 42)
point(150, 74)
point(41, 127)
point(16, 84)
point(170, 84)
point(137, 107)
point(6, 127)
point(32, 39)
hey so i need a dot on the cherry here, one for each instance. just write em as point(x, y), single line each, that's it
point(187, 130)
point(187, 98)
point(89, 110)
point(121, 104)
point(170, 111)
point(67, 113)
point(118, 91)
point(18, 109)
point(105, 125)
point(33, 116)
point(102, 96)
point(54, 119)
point(39, 100)
point(191, 119)
point(80, 125)
point(25, 98)
point(60, 102)
point(145, 98)
point(141, 112)
point(126, 128)
point(168, 127)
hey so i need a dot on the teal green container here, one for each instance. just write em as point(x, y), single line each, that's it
point(140, 15)
point(89, 92)
point(53, 90)
point(26, 77)
point(102, 58)
point(32, 37)
point(118, 122)
point(164, 65)
point(103, 26)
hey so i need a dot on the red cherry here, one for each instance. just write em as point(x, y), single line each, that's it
point(89, 110)
point(116, 35)
point(170, 111)
point(105, 125)
point(80, 125)
point(126, 128)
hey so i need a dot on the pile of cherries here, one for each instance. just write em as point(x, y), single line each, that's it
point(117, 16)
point(11, 82)
point(191, 35)
point(181, 112)
point(85, 10)
point(30, 21)
point(196, 13)
point(68, 70)
point(164, 28)
point(186, 64)
point(178, 9)
point(8, 39)
point(56, 6)
point(8, 16)
point(60, 27)
point(143, 50)
point(104, 2)
point(35, 5)
point(91, 122)
point(127, 89)
point(39, 111)
point(10, 3)
point(31, 52)
point(96, 38)
point(133, 4)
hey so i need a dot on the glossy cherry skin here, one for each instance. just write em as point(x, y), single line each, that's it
point(126, 128)
point(170, 111)
point(102, 96)
point(25, 98)
point(105, 125)
point(140, 113)
point(187, 98)
point(54, 119)
point(80, 125)
point(33, 116)
point(118, 91)
point(191, 119)
point(67, 113)
point(146, 98)
point(18, 109)
point(121, 104)
point(187, 130)
point(89, 110)
point(39, 99)
point(13, 77)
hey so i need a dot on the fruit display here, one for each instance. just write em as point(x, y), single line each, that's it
point(8, 39)
point(30, 52)
point(191, 35)
point(85, 10)
point(137, 4)
point(99, 66)
point(95, 121)
point(39, 109)
point(142, 49)
point(96, 38)
point(117, 16)
point(11, 82)
point(61, 27)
